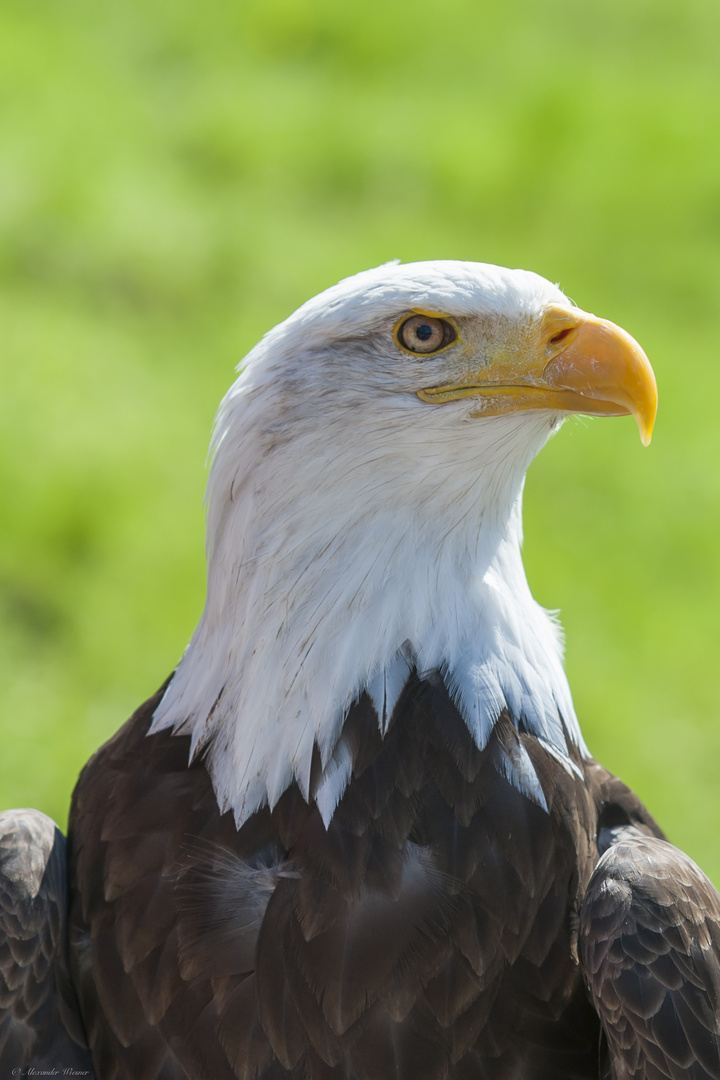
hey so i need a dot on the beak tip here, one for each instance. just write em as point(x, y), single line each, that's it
point(646, 416)
point(646, 422)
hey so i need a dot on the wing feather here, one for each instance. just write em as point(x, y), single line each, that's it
point(650, 947)
point(39, 1019)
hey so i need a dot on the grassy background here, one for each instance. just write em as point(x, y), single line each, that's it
point(177, 177)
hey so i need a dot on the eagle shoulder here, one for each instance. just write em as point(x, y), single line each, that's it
point(650, 947)
point(39, 1021)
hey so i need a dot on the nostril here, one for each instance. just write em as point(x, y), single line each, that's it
point(561, 335)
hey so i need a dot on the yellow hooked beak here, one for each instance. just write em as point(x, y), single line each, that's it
point(569, 362)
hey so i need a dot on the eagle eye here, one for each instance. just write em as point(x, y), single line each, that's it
point(425, 334)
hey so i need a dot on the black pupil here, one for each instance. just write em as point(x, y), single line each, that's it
point(424, 332)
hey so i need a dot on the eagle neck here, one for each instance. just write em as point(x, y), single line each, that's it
point(302, 620)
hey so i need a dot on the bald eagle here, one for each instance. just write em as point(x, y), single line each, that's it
point(357, 834)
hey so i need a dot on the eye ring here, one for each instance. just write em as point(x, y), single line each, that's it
point(424, 334)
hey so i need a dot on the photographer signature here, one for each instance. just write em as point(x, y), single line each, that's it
point(30, 1070)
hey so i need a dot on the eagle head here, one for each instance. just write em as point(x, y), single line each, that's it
point(364, 519)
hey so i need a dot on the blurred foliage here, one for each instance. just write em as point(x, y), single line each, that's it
point(177, 177)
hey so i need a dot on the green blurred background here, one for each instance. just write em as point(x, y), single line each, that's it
point(176, 177)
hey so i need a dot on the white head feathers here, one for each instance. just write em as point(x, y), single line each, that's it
point(355, 531)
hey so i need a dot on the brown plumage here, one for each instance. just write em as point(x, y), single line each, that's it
point(39, 1021)
point(430, 932)
point(650, 941)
